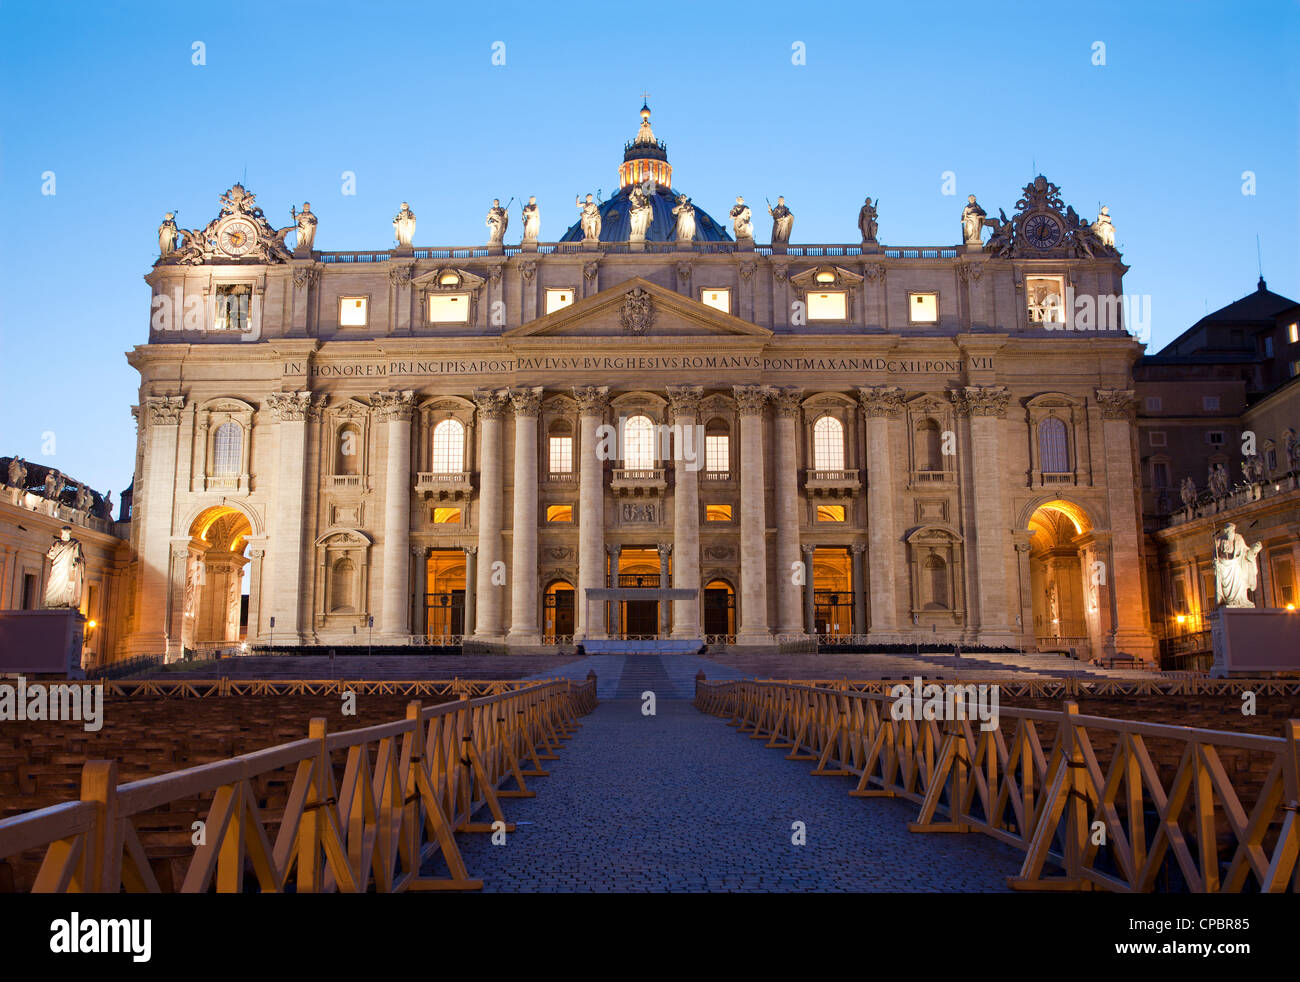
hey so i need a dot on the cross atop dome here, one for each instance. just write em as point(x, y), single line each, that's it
point(645, 158)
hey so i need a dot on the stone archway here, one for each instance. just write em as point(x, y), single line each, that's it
point(1065, 589)
point(212, 609)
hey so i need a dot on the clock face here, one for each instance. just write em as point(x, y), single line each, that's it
point(1042, 231)
point(237, 237)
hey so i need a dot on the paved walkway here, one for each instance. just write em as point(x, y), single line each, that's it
point(681, 802)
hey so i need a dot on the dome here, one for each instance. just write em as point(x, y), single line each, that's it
point(616, 226)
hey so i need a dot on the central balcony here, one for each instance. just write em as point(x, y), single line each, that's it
point(832, 484)
point(450, 486)
point(638, 483)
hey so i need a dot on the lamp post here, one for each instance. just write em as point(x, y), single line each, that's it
point(370, 643)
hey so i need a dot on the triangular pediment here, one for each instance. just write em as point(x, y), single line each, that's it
point(637, 308)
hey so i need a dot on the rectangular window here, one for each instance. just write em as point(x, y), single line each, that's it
point(1046, 298)
point(446, 516)
point(561, 455)
point(717, 455)
point(923, 308)
point(1214, 438)
point(231, 311)
point(1160, 474)
point(830, 513)
point(1158, 438)
point(29, 591)
point(449, 308)
point(1293, 333)
point(558, 299)
point(1210, 404)
point(717, 299)
point(830, 306)
point(1284, 580)
point(1295, 368)
point(1268, 346)
point(352, 311)
point(1154, 404)
point(717, 513)
point(559, 513)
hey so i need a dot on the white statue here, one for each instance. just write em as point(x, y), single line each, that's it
point(167, 235)
point(684, 231)
point(17, 473)
point(782, 220)
point(404, 226)
point(1235, 570)
point(497, 220)
point(1054, 607)
point(1187, 491)
point(306, 223)
point(742, 223)
point(532, 219)
point(1103, 229)
point(107, 510)
point(1292, 450)
point(972, 221)
point(639, 214)
point(63, 588)
point(867, 221)
point(590, 216)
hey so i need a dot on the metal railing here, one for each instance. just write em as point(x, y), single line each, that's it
point(406, 788)
point(807, 250)
point(999, 782)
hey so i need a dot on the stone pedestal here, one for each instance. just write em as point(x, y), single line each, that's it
point(1254, 641)
point(45, 642)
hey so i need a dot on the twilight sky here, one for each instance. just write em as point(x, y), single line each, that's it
point(407, 97)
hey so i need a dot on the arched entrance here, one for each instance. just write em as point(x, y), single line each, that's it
point(444, 595)
point(720, 612)
point(1065, 579)
point(214, 612)
point(638, 569)
point(557, 612)
point(832, 591)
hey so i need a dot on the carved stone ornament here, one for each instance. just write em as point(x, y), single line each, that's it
point(304, 276)
point(638, 512)
point(719, 552)
point(240, 233)
point(980, 400)
point(638, 312)
point(751, 398)
point(787, 402)
point(556, 553)
point(873, 272)
point(684, 272)
point(393, 404)
point(527, 402)
point(295, 407)
point(592, 400)
point(684, 400)
point(400, 276)
point(1117, 403)
point(528, 269)
point(165, 410)
point(885, 401)
point(746, 271)
point(491, 404)
point(589, 270)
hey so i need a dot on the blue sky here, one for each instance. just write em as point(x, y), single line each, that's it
point(407, 97)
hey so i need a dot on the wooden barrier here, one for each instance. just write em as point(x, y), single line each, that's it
point(1066, 687)
point(1098, 770)
point(407, 787)
point(213, 688)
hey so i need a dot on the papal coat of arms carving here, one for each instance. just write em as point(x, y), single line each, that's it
point(638, 312)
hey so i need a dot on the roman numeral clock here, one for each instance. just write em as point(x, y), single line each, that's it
point(1043, 231)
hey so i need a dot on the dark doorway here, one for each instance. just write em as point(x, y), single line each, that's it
point(719, 611)
point(642, 617)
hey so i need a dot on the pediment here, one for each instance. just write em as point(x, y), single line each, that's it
point(637, 308)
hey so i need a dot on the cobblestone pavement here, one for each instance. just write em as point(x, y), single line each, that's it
point(680, 802)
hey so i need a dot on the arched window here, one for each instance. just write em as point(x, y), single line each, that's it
point(639, 444)
point(929, 456)
point(828, 444)
point(717, 446)
point(1053, 449)
point(449, 447)
point(226, 445)
point(342, 577)
point(347, 452)
point(936, 583)
point(560, 452)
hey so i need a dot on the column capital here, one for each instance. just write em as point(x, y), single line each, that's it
point(295, 407)
point(684, 400)
point(592, 400)
point(788, 402)
point(807, 550)
point(613, 549)
point(665, 549)
point(858, 548)
point(527, 402)
point(751, 398)
point(164, 410)
point(393, 406)
point(1117, 403)
point(980, 400)
point(491, 403)
point(470, 550)
point(881, 401)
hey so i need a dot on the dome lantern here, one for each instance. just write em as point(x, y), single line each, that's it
point(645, 158)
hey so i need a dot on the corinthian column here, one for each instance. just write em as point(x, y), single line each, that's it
point(395, 408)
point(491, 411)
point(753, 520)
point(789, 616)
point(880, 404)
point(684, 403)
point(159, 421)
point(592, 402)
point(523, 575)
point(986, 406)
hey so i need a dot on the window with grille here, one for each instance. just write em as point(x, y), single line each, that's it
point(929, 446)
point(639, 444)
point(717, 453)
point(449, 447)
point(226, 442)
point(231, 311)
point(561, 455)
point(828, 444)
point(1053, 448)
